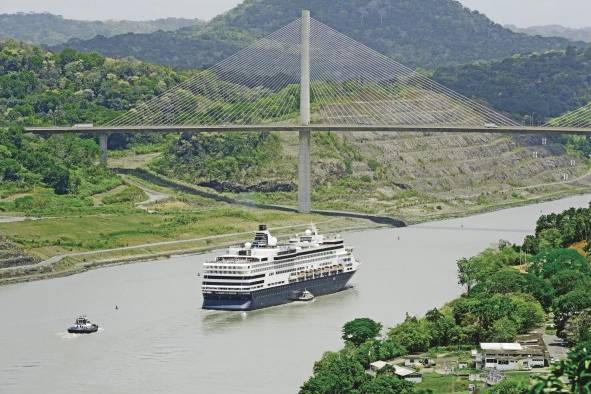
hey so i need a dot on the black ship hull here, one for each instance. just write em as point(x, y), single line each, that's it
point(83, 330)
point(276, 295)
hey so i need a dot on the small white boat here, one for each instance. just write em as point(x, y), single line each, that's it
point(83, 326)
point(306, 296)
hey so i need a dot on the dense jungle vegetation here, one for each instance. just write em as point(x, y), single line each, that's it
point(42, 88)
point(509, 291)
point(538, 86)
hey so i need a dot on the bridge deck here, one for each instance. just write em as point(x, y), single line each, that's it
point(318, 127)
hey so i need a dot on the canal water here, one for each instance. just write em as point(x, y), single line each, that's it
point(160, 341)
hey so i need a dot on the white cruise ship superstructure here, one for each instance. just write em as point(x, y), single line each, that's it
point(265, 273)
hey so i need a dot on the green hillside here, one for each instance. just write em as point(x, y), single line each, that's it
point(428, 33)
point(48, 29)
point(411, 176)
point(543, 85)
point(42, 88)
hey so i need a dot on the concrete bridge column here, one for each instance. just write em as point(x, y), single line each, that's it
point(304, 184)
point(103, 142)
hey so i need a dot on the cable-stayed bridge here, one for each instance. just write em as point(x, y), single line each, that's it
point(308, 77)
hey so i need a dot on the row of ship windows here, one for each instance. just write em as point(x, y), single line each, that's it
point(236, 260)
point(276, 283)
point(307, 261)
point(227, 272)
point(296, 269)
point(294, 262)
point(301, 258)
point(220, 269)
point(245, 288)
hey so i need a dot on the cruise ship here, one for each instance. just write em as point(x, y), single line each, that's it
point(264, 273)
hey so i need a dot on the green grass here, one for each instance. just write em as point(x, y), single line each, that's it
point(131, 194)
point(453, 384)
point(443, 383)
point(131, 226)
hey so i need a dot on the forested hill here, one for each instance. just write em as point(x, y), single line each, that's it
point(582, 34)
point(48, 29)
point(426, 33)
point(545, 85)
point(42, 88)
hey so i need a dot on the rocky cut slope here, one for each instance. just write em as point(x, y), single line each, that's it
point(409, 175)
point(13, 256)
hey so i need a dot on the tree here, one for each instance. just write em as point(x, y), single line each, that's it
point(335, 373)
point(361, 330)
point(414, 335)
point(569, 305)
point(476, 269)
point(386, 384)
point(504, 281)
point(550, 238)
point(576, 369)
point(509, 387)
point(442, 327)
point(10, 170)
point(531, 245)
point(549, 262)
point(526, 312)
point(503, 330)
point(578, 328)
point(567, 280)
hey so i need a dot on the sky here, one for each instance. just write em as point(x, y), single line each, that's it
point(523, 13)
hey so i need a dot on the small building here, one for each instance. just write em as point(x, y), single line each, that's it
point(377, 366)
point(408, 374)
point(402, 372)
point(509, 356)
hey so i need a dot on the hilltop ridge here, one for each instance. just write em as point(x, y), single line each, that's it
point(426, 34)
point(49, 29)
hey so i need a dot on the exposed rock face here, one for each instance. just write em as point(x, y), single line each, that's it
point(466, 163)
point(263, 187)
point(12, 256)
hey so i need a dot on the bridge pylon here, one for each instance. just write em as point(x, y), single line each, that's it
point(304, 162)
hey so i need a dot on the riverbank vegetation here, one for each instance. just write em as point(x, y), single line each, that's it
point(510, 290)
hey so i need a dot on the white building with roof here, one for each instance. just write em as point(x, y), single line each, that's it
point(407, 374)
point(508, 356)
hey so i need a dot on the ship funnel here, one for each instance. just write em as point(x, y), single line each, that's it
point(262, 227)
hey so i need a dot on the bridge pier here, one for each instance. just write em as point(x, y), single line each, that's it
point(304, 171)
point(103, 143)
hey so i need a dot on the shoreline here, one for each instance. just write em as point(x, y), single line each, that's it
point(121, 260)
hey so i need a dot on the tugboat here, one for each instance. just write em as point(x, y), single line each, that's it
point(83, 326)
point(305, 296)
